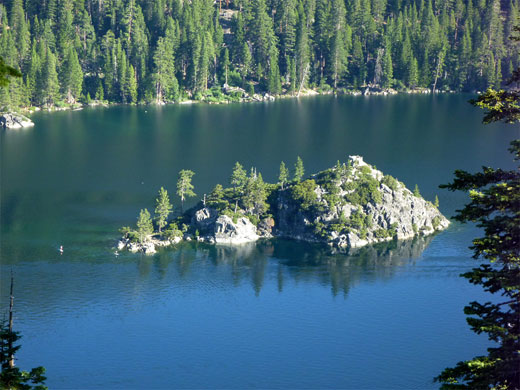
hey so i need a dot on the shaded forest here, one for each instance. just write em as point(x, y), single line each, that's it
point(133, 51)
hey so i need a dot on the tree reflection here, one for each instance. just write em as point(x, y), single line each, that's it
point(285, 260)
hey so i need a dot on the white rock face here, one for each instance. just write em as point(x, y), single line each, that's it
point(228, 232)
point(15, 121)
point(398, 214)
point(221, 229)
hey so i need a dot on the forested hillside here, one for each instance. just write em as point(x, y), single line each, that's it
point(164, 50)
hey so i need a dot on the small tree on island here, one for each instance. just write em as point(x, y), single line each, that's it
point(163, 208)
point(238, 180)
point(416, 191)
point(284, 175)
point(299, 171)
point(144, 226)
point(184, 186)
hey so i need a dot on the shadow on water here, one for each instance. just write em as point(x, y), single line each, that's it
point(287, 260)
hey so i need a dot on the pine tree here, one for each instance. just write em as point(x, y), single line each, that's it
point(284, 175)
point(144, 226)
point(238, 177)
point(131, 83)
point(413, 74)
point(184, 186)
point(72, 76)
point(65, 29)
point(49, 90)
point(20, 29)
point(495, 208)
point(388, 69)
point(340, 41)
point(299, 171)
point(163, 208)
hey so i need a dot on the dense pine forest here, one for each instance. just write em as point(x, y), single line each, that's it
point(133, 51)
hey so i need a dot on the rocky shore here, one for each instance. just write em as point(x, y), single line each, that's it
point(347, 206)
point(14, 121)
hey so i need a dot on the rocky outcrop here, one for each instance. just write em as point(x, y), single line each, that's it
point(348, 206)
point(222, 229)
point(361, 207)
point(14, 121)
point(148, 247)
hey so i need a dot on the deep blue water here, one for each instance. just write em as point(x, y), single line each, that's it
point(277, 314)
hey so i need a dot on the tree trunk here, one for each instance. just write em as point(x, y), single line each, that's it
point(11, 303)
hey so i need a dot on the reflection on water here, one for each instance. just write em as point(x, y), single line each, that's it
point(295, 260)
point(276, 314)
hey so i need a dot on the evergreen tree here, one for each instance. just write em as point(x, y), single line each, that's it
point(49, 86)
point(163, 208)
point(495, 207)
point(20, 29)
point(184, 186)
point(299, 171)
point(238, 177)
point(284, 175)
point(72, 76)
point(387, 68)
point(65, 29)
point(131, 84)
point(142, 49)
point(144, 226)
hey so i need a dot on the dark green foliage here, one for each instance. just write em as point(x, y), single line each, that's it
point(299, 170)
point(12, 377)
point(304, 194)
point(238, 177)
point(416, 191)
point(284, 175)
point(255, 195)
point(144, 226)
point(5, 72)
point(145, 50)
point(172, 231)
point(365, 189)
point(129, 233)
point(184, 186)
point(216, 198)
point(389, 181)
point(495, 208)
point(163, 208)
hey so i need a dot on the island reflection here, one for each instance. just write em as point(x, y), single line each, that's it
point(299, 261)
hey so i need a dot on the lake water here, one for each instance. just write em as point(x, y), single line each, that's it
point(277, 314)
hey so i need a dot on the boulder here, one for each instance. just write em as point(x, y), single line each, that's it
point(121, 244)
point(148, 248)
point(14, 121)
point(228, 232)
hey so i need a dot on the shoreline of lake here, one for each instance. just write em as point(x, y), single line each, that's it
point(257, 98)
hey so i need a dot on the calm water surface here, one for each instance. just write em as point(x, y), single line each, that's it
point(276, 314)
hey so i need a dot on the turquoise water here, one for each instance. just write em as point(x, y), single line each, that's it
point(278, 314)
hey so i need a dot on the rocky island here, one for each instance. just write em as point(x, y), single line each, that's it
point(348, 206)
